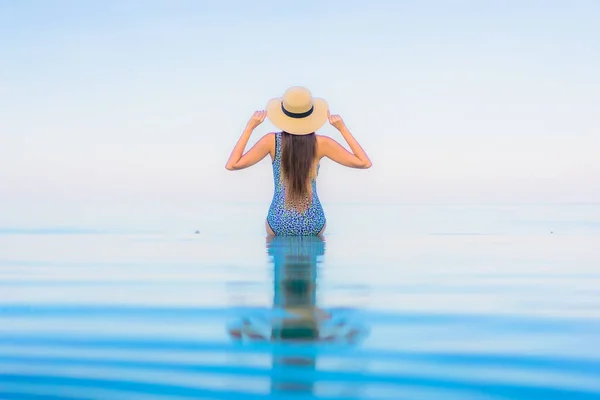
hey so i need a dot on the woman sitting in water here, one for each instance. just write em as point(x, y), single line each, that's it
point(296, 152)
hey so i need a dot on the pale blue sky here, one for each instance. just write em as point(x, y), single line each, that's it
point(133, 103)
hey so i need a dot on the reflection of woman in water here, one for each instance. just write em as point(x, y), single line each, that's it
point(295, 285)
point(296, 318)
point(296, 152)
point(295, 260)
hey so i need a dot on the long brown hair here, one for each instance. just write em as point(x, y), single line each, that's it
point(297, 158)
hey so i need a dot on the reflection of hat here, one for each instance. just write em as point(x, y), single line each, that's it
point(297, 112)
point(301, 330)
point(325, 326)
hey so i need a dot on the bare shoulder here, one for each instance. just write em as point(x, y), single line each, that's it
point(324, 140)
point(322, 144)
point(269, 140)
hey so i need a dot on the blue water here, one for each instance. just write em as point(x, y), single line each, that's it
point(397, 302)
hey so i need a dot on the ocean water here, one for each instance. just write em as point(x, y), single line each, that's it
point(395, 302)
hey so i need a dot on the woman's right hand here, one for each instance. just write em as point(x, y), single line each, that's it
point(335, 120)
point(257, 118)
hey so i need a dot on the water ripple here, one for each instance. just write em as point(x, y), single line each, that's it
point(194, 319)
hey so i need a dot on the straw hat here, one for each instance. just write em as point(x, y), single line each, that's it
point(297, 112)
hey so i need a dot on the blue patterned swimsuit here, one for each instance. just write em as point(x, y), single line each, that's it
point(286, 221)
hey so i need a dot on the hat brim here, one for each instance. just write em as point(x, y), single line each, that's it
point(298, 126)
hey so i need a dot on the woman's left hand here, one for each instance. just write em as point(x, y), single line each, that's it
point(257, 118)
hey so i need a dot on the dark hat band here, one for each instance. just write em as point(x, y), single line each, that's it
point(297, 115)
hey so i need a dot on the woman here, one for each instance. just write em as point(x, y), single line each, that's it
point(296, 152)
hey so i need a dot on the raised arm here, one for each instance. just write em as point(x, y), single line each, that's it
point(238, 160)
point(358, 158)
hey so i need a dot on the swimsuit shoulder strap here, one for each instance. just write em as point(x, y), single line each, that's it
point(277, 146)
